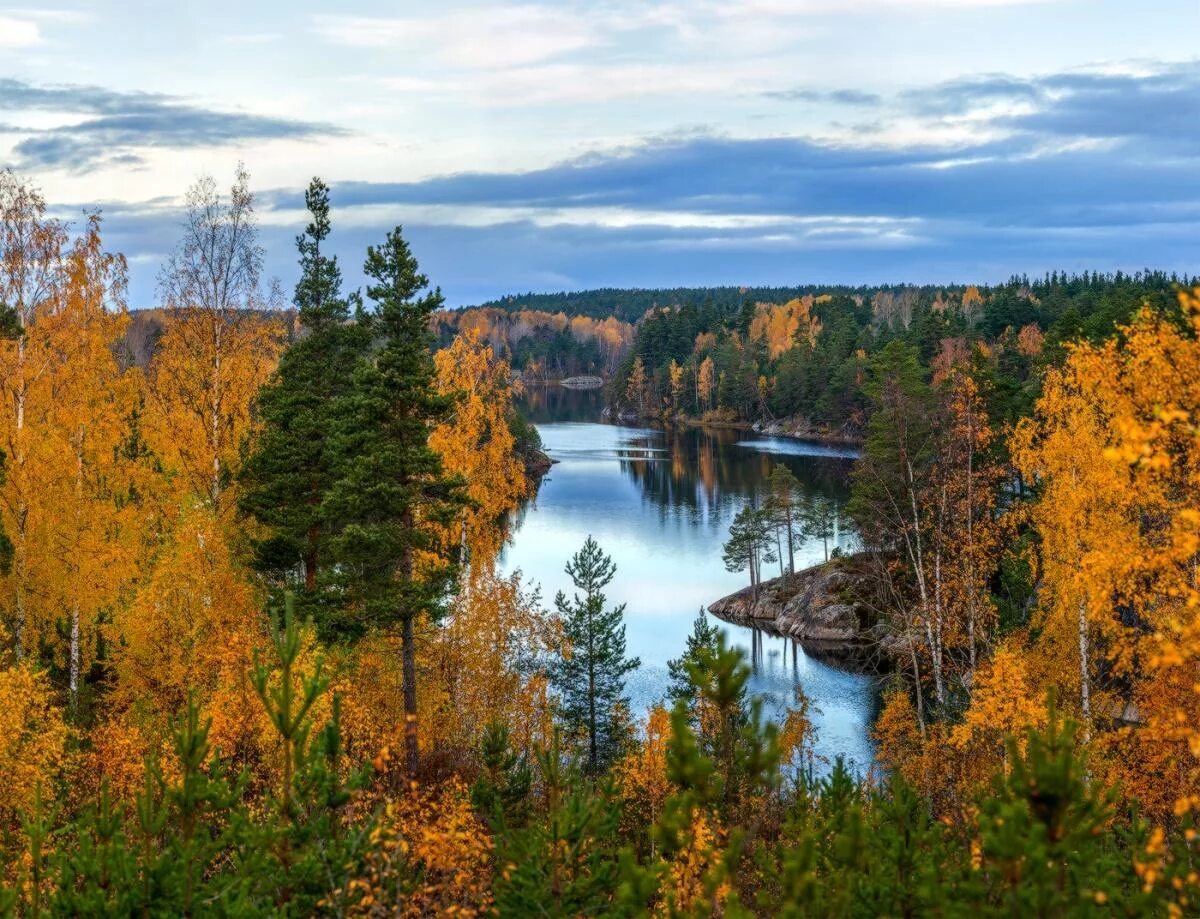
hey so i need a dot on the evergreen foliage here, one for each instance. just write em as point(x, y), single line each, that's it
point(391, 500)
point(590, 677)
point(290, 472)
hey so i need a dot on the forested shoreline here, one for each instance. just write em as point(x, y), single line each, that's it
point(257, 658)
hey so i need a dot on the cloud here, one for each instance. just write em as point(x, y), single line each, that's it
point(116, 125)
point(481, 38)
point(18, 33)
point(1095, 170)
point(836, 96)
point(1162, 103)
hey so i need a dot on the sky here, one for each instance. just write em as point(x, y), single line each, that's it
point(563, 145)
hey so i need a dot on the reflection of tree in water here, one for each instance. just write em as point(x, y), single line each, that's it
point(686, 472)
point(706, 475)
point(545, 403)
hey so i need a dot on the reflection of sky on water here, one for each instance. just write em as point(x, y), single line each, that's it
point(784, 446)
point(660, 503)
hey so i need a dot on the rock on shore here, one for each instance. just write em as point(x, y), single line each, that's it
point(817, 606)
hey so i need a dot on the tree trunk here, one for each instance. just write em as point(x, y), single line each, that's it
point(1085, 694)
point(791, 546)
point(409, 653)
point(408, 650)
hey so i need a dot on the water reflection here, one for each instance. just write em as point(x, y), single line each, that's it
point(660, 502)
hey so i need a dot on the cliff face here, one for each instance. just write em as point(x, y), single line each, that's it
point(816, 606)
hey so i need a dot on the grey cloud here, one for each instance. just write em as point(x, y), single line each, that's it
point(121, 124)
point(1164, 104)
point(838, 96)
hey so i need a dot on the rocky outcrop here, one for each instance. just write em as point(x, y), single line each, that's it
point(537, 464)
point(583, 382)
point(802, 429)
point(818, 606)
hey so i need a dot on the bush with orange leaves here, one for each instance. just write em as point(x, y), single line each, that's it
point(33, 745)
point(642, 781)
point(429, 855)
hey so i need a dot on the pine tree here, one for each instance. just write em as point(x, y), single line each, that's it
point(702, 641)
point(748, 546)
point(392, 501)
point(819, 519)
point(293, 466)
point(783, 506)
point(565, 863)
point(590, 678)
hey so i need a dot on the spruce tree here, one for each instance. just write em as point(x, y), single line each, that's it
point(288, 476)
point(700, 644)
point(590, 678)
point(393, 503)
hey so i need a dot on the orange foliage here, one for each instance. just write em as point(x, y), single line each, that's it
point(33, 741)
point(781, 326)
point(641, 777)
point(1116, 438)
point(432, 832)
point(476, 442)
point(1030, 340)
point(472, 672)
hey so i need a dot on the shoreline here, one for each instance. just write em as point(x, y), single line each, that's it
point(769, 429)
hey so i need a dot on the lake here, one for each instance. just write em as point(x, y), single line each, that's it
point(660, 503)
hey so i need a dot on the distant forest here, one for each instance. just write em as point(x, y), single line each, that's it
point(762, 354)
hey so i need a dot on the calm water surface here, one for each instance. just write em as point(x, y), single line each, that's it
point(660, 503)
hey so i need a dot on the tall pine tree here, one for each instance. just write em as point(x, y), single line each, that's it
point(393, 502)
point(294, 464)
point(590, 679)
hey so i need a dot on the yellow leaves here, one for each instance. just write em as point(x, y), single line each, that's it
point(641, 777)
point(435, 835)
point(1005, 701)
point(780, 326)
point(705, 382)
point(1114, 445)
point(33, 740)
point(201, 384)
point(192, 626)
point(696, 880)
point(469, 672)
point(476, 443)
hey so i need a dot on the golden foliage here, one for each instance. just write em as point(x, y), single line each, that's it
point(193, 626)
point(1115, 442)
point(476, 443)
point(482, 666)
point(434, 833)
point(781, 326)
point(206, 372)
point(33, 741)
point(641, 776)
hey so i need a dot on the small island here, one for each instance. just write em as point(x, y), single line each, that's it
point(820, 607)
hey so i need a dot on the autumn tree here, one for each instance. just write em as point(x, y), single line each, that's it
point(590, 678)
point(635, 387)
point(476, 442)
point(705, 385)
point(31, 276)
point(1112, 448)
point(393, 502)
point(217, 348)
point(89, 400)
